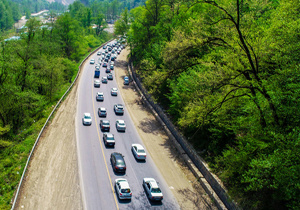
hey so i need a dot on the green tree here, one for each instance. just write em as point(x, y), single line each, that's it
point(122, 25)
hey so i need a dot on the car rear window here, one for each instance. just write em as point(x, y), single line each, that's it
point(155, 190)
point(125, 190)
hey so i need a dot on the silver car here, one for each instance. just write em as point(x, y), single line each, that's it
point(122, 189)
point(100, 96)
point(119, 109)
point(92, 61)
point(152, 189)
point(109, 139)
point(120, 125)
point(114, 91)
point(138, 151)
point(102, 112)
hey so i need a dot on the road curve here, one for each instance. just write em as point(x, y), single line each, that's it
point(96, 174)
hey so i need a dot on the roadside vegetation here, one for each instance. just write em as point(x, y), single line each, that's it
point(35, 71)
point(227, 72)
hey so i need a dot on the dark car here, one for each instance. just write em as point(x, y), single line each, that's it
point(118, 162)
point(108, 70)
point(112, 58)
point(104, 125)
point(104, 47)
point(104, 64)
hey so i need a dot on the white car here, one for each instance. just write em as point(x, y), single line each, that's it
point(122, 189)
point(96, 83)
point(99, 53)
point(114, 91)
point(100, 96)
point(87, 119)
point(138, 151)
point(112, 63)
point(92, 61)
point(104, 79)
point(152, 189)
point(120, 125)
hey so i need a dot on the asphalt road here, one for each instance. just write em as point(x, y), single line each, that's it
point(96, 173)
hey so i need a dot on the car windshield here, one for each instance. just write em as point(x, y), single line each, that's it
point(141, 151)
point(125, 190)
point(110, 138)
point(121, 123)
point(155, 190)
point(87, 117)
point(120, 107)
point(105, 123)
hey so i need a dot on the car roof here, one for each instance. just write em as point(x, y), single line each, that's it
point(152, 182)
point(100, 93)
point(138, 146)
point(87, 114)
point(102, 109)
point(105, 121)
point(124, 184)
point(121, 121)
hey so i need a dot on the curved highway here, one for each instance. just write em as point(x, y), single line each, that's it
point(95, 170)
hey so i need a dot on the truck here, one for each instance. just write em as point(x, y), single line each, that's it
point(97, 73)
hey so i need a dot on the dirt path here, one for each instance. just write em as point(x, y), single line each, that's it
point(52, 180)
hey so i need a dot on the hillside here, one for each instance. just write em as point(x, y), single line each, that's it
point(64, 2)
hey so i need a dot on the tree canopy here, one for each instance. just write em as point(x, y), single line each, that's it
point(227, 73)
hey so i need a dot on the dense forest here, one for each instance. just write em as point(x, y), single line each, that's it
point(228, 72)
point(112, 8)
point(35, 71)
point(11, 11)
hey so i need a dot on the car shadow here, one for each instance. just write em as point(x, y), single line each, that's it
point(108, 147)
point(123, 201)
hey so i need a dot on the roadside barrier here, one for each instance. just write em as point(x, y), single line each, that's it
point(187, 148)
point(54, 109)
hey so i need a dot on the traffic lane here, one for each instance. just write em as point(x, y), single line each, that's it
point(92, 163)
point(129, 137)
point(135, 173)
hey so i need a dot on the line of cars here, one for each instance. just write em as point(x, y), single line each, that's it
point(122, 187)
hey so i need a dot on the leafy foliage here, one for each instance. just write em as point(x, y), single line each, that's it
point(227, 72)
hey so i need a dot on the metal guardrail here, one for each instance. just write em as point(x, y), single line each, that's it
point(189, 150)
point(54, 109)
